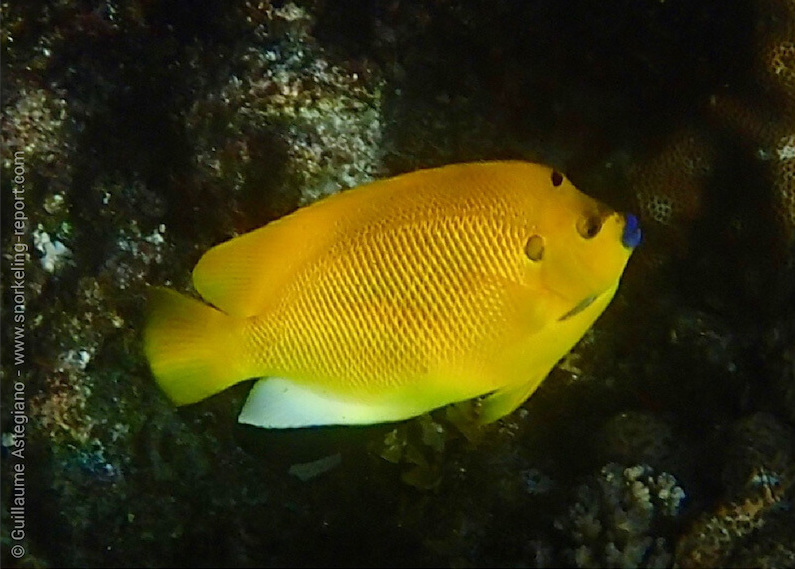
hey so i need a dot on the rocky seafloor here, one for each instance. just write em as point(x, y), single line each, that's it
point(138, 134)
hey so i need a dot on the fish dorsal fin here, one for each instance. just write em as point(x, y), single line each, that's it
point(277, 403)
point(241, 275)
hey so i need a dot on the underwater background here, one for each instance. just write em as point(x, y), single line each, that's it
point(147, 131)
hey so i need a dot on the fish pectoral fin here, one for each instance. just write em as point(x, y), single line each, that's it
point(279, 403)
point(531, 309)
point(504, 401)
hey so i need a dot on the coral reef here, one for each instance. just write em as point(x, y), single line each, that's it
point(669, 191)
point(616, 516)
point(636, 437)
point(144, 132)
point(768, 122)
point(757, 477)
point(289, 98)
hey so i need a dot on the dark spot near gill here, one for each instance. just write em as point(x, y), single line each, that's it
point(534, 248)
point(557, 178)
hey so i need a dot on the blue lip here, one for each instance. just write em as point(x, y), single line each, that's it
point(632, 235)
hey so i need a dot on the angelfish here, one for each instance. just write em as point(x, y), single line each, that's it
point(397, 297)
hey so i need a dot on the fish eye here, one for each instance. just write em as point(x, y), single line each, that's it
point(589, 226)
point(557, 178)
point(534, 248)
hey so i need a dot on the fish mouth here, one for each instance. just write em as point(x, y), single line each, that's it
point(632, 235)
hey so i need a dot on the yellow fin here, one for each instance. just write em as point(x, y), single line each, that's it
point(241, 275)
point(506, 400)
point(193, 349)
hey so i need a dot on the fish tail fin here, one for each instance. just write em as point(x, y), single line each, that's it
point(194, 350)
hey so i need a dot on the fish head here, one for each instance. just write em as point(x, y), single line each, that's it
point(576, 247)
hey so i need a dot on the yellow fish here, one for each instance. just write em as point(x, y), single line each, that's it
point(397, 297)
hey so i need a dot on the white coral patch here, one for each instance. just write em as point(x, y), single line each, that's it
point(786, 148)
point(54, 253)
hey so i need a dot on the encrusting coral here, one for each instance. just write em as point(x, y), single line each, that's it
point(620, 518)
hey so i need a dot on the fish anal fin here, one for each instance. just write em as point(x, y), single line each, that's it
point(279, 403)
point(282, 403)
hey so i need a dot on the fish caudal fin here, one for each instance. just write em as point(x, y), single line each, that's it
point(192, 348)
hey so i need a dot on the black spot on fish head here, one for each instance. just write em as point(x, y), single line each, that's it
point(534, 248)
